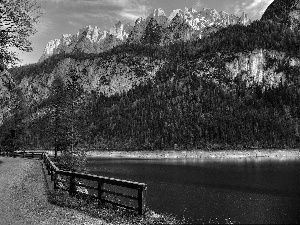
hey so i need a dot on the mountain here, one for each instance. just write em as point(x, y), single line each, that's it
point(237, 86)
point(87, 40)
point(196, 25)
point(284, 11)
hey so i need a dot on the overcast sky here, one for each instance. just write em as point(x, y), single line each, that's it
point(68, 16)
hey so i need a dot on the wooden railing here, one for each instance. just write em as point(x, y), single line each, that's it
point(100, 191)
point(141, 188)
point(24, 154)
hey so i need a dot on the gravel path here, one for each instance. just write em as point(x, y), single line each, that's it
point(23, 197)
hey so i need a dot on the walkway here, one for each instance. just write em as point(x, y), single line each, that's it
point(23, 197)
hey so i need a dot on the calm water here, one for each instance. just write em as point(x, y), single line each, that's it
point(256, 190)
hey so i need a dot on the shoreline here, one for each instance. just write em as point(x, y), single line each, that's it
point(222, 154)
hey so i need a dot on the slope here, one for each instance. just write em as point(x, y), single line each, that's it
point(237, 87)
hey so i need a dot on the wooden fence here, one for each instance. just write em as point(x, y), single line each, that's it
point(24, 154)
point(73, 185)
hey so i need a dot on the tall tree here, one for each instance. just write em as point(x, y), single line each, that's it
point(153, 33)
point(65, 98)
point(58, 95)
point(17, 21)
point(74, 91)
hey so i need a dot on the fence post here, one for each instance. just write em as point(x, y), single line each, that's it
point(32, 154)
point(48, 168)
point(142, 199)
point(23, 154)
point(100, 192)
point(52, 174)
point(55, 181)
point(72, 189)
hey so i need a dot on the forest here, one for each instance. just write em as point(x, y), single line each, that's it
point(178, 106)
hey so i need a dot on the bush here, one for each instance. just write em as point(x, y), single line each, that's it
point(74, 161)
point(110, 214)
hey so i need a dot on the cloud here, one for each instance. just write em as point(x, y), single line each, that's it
point(258, 7)
point(103, 9)
point(133, 12)
point(128, 15)
point(52, 1)
point(254, 8)
point(198, 4)
point(43, 27)
point(237, 9)
point(258, 3)
point(74, 24)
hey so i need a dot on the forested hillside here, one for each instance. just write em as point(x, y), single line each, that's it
point(239, 87)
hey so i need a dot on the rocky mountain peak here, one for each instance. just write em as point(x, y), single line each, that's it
point(120, 31)
point(139, 20)
point(174, 13)
point(50, 49)
point(284, 11)
point(89, 32)
point(88, 39)
point(160, 17)
point(181, 24)
point(66, 35)
point(210, 12)
point(191, 10)
point(158, 12)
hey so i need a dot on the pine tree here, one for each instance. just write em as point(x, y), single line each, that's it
point(57, 125)
point(152, 34)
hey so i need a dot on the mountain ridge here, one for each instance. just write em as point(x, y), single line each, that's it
point(236, 87)
point(284, 11)
point(93, 40)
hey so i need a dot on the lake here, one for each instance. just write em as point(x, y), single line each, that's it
point(246, 190)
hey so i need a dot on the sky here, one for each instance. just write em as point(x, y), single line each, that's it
point(68, 16)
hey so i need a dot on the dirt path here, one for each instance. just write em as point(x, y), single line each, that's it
point(23, 197)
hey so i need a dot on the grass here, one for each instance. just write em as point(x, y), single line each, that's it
point(108, 213)
point(114, 215)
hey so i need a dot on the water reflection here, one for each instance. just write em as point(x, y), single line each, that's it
point(250, 190)
point(238, 160)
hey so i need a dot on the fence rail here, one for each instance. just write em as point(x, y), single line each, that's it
point(24, 154)
point(73, 184)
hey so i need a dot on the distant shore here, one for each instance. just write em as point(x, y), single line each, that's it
point(195, 154)
point(169, 154)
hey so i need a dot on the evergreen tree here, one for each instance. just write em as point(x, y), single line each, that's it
point(152, 34)
point(66, 120)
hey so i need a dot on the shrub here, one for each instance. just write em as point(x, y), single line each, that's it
point(74, 161)
point(110, 214)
